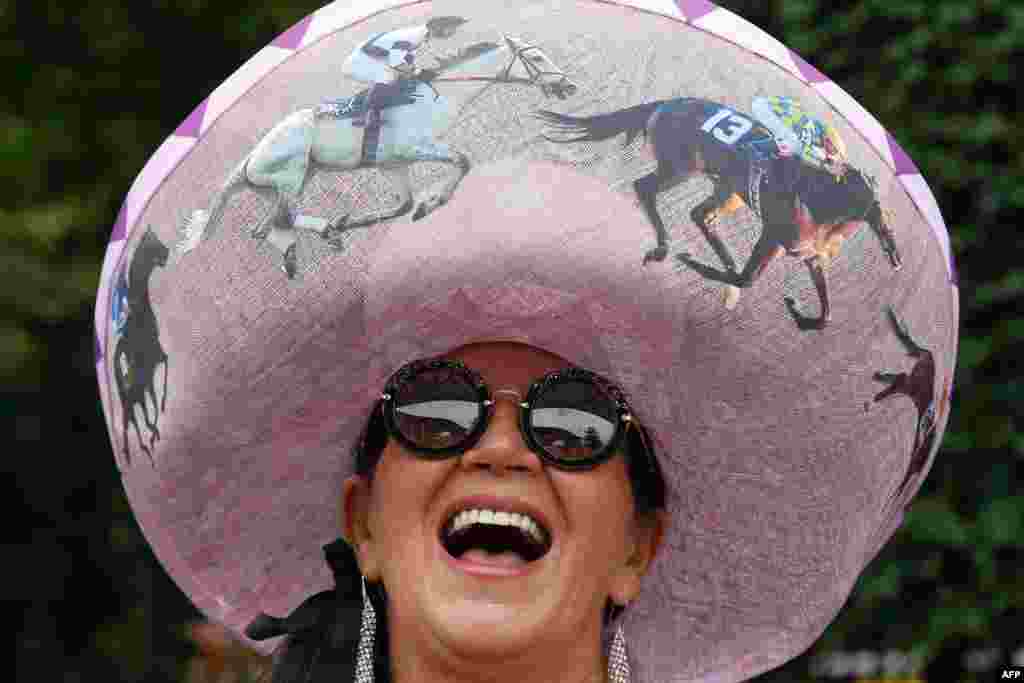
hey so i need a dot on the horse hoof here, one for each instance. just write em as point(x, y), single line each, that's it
point(731, 297)
point(290, 265)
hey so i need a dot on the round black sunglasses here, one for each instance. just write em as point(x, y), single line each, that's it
point(572, 418)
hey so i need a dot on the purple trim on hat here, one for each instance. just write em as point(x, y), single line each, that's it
point(695, 9)
point(97, 347)
point(120, 230)
point(193, 124)
point(292, 38)
point(901, 160)
point(806, 70)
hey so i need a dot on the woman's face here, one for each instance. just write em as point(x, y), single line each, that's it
point(491, 603)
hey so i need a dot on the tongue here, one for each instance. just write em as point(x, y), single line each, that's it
point(502, 559)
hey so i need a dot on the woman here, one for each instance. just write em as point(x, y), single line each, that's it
point(567, 465)
point(504, 545)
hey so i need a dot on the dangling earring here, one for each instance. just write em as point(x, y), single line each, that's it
point(367, 637)
point(619, 670)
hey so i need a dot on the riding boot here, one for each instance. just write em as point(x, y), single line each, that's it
point(369, 116)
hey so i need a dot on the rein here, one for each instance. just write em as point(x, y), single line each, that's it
point(534, 72)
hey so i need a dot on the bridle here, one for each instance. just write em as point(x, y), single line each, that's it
point(561, 88)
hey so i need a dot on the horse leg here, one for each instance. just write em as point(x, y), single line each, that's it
point(896, 382)
point(765, 251)
point(163, 399)
point(439, 194)
point(281, 162)
point(879, 225)
point(281, 235)
point(399, 175)
point(646, 189)
point(125, 419)
point(138, 430)
point(821, 284)
point(707, 216)
point(150, 393)
point(287, 180)
point(817, 271)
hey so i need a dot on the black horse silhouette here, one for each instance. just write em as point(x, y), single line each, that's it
point(138, 353)
point(806, 211)
point(919, 386)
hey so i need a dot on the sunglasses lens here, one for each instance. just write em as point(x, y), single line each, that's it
point(438, 408)
point(574, 420)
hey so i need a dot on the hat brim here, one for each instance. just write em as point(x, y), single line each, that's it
point(781, 475)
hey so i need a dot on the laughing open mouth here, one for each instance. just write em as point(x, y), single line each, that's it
point(480, 533)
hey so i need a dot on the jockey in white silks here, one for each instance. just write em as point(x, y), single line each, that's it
point(391, 57)
point(799, 134)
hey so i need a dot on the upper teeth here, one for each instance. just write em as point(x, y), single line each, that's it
point(484, 516)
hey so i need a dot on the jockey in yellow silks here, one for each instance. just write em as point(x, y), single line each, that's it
point(799, 134)
point(390, 57)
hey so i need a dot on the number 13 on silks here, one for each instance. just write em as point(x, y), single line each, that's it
point(727, 126)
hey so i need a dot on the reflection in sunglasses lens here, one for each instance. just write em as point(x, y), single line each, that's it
point(573, 419)
point(438, 408)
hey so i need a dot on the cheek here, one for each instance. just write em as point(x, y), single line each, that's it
point(401, 490)
point(601, 507)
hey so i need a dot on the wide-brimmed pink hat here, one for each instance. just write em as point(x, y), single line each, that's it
point(587, 178)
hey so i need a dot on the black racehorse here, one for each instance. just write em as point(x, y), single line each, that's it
point(138, 353)
point(806, 211)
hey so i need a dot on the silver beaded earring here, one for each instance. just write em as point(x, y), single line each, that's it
point(618, 661)
point(367, 635)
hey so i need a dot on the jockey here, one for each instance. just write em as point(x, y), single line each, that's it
point(390, 57)
point(798, 134)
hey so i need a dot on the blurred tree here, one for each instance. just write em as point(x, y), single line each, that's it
point(93, 88)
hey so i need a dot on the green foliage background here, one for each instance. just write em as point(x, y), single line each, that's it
point(92, 88)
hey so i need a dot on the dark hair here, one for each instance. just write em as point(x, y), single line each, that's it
point(313, 650)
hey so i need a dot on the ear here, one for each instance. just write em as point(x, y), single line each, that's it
point(646, 540)
point(355, 524)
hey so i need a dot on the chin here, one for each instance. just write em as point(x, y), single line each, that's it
point(473, 628)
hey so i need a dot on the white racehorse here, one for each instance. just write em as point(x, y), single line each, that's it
point(308, 140)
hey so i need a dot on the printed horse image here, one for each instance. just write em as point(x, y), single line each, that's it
point(806, 211)
point(415, 115)
point(138, 353)
point(919, 386)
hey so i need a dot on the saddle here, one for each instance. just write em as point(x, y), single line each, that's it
point(388, 95)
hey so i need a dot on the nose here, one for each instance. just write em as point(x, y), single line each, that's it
point(502, 448)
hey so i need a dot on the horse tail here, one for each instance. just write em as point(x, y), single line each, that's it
point(201, 223)
point(632, 120)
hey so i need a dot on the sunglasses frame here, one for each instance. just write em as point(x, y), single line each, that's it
point(486, 412)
